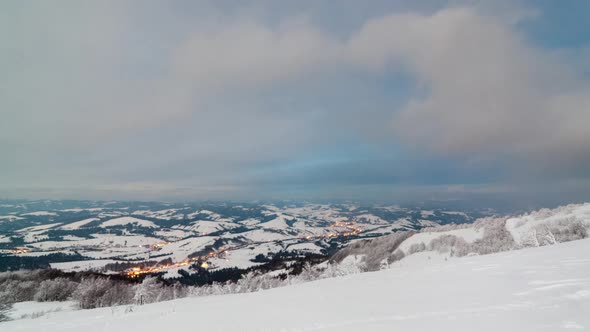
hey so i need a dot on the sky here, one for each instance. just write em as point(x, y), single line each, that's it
point(390, 100)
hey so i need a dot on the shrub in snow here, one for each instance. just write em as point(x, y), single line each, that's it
point(119, 293)
point(374, 251)
point(349, 265)
point(90, 291)
point(18, 286)
point(495, 238)
point(58, 289)
point(309, 273)
point(416, 247)
point(13, 291)
point(449, 243)
point(569, 231)
point(150, 290)
point(101, 292)
point(544, 227)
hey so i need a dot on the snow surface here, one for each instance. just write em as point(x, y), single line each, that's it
point(371, 219)
point(207, 226)
point(167, 214)
point(11, 218)
point(72, 210)
point(39, 213)
point(31, 309)
point(180, 250)
point(280, 222)
point(101, 246)
point(241, 258)
point(82, 265)
point(38, 228)
point(172, 234)
point(427, 213)
point(535, 289)
point(128, 220)
point(78, 224)
point(457, 213)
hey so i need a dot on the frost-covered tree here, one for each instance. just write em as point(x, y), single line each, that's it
point(309, 273)
point(58, 289)
point(374, 251)
point(416, 247)
point(152, 290)
point(15, 290)
point(495, 238)
point(569, 229)
point(89, 293)
point(119, 293)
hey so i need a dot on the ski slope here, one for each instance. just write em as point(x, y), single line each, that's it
point(534, 289)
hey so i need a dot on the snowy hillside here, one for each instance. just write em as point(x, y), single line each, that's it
point(484, 236)
point(549, 226)
point(534, 289)
point(66, 234)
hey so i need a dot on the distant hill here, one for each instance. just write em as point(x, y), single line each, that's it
point(226, 234)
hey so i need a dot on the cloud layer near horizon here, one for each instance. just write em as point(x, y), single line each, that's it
point(110, 99)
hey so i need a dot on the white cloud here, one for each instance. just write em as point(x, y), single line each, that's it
point(488, 90)
point(247, 52)
point(485, 94)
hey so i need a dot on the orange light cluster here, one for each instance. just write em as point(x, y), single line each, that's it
point(159, 245)
point(136, 271)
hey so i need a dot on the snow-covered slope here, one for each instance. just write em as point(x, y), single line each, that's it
point(484, 236)
point(206, 226)
point(78, 224)
point(128, 220)
point(535, 289)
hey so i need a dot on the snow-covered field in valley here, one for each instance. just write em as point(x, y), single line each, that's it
point(236, 234)
point(535, 289)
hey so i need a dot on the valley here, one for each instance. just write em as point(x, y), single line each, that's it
point(165, 238)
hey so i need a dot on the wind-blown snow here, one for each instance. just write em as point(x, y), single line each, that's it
point(535, 289)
